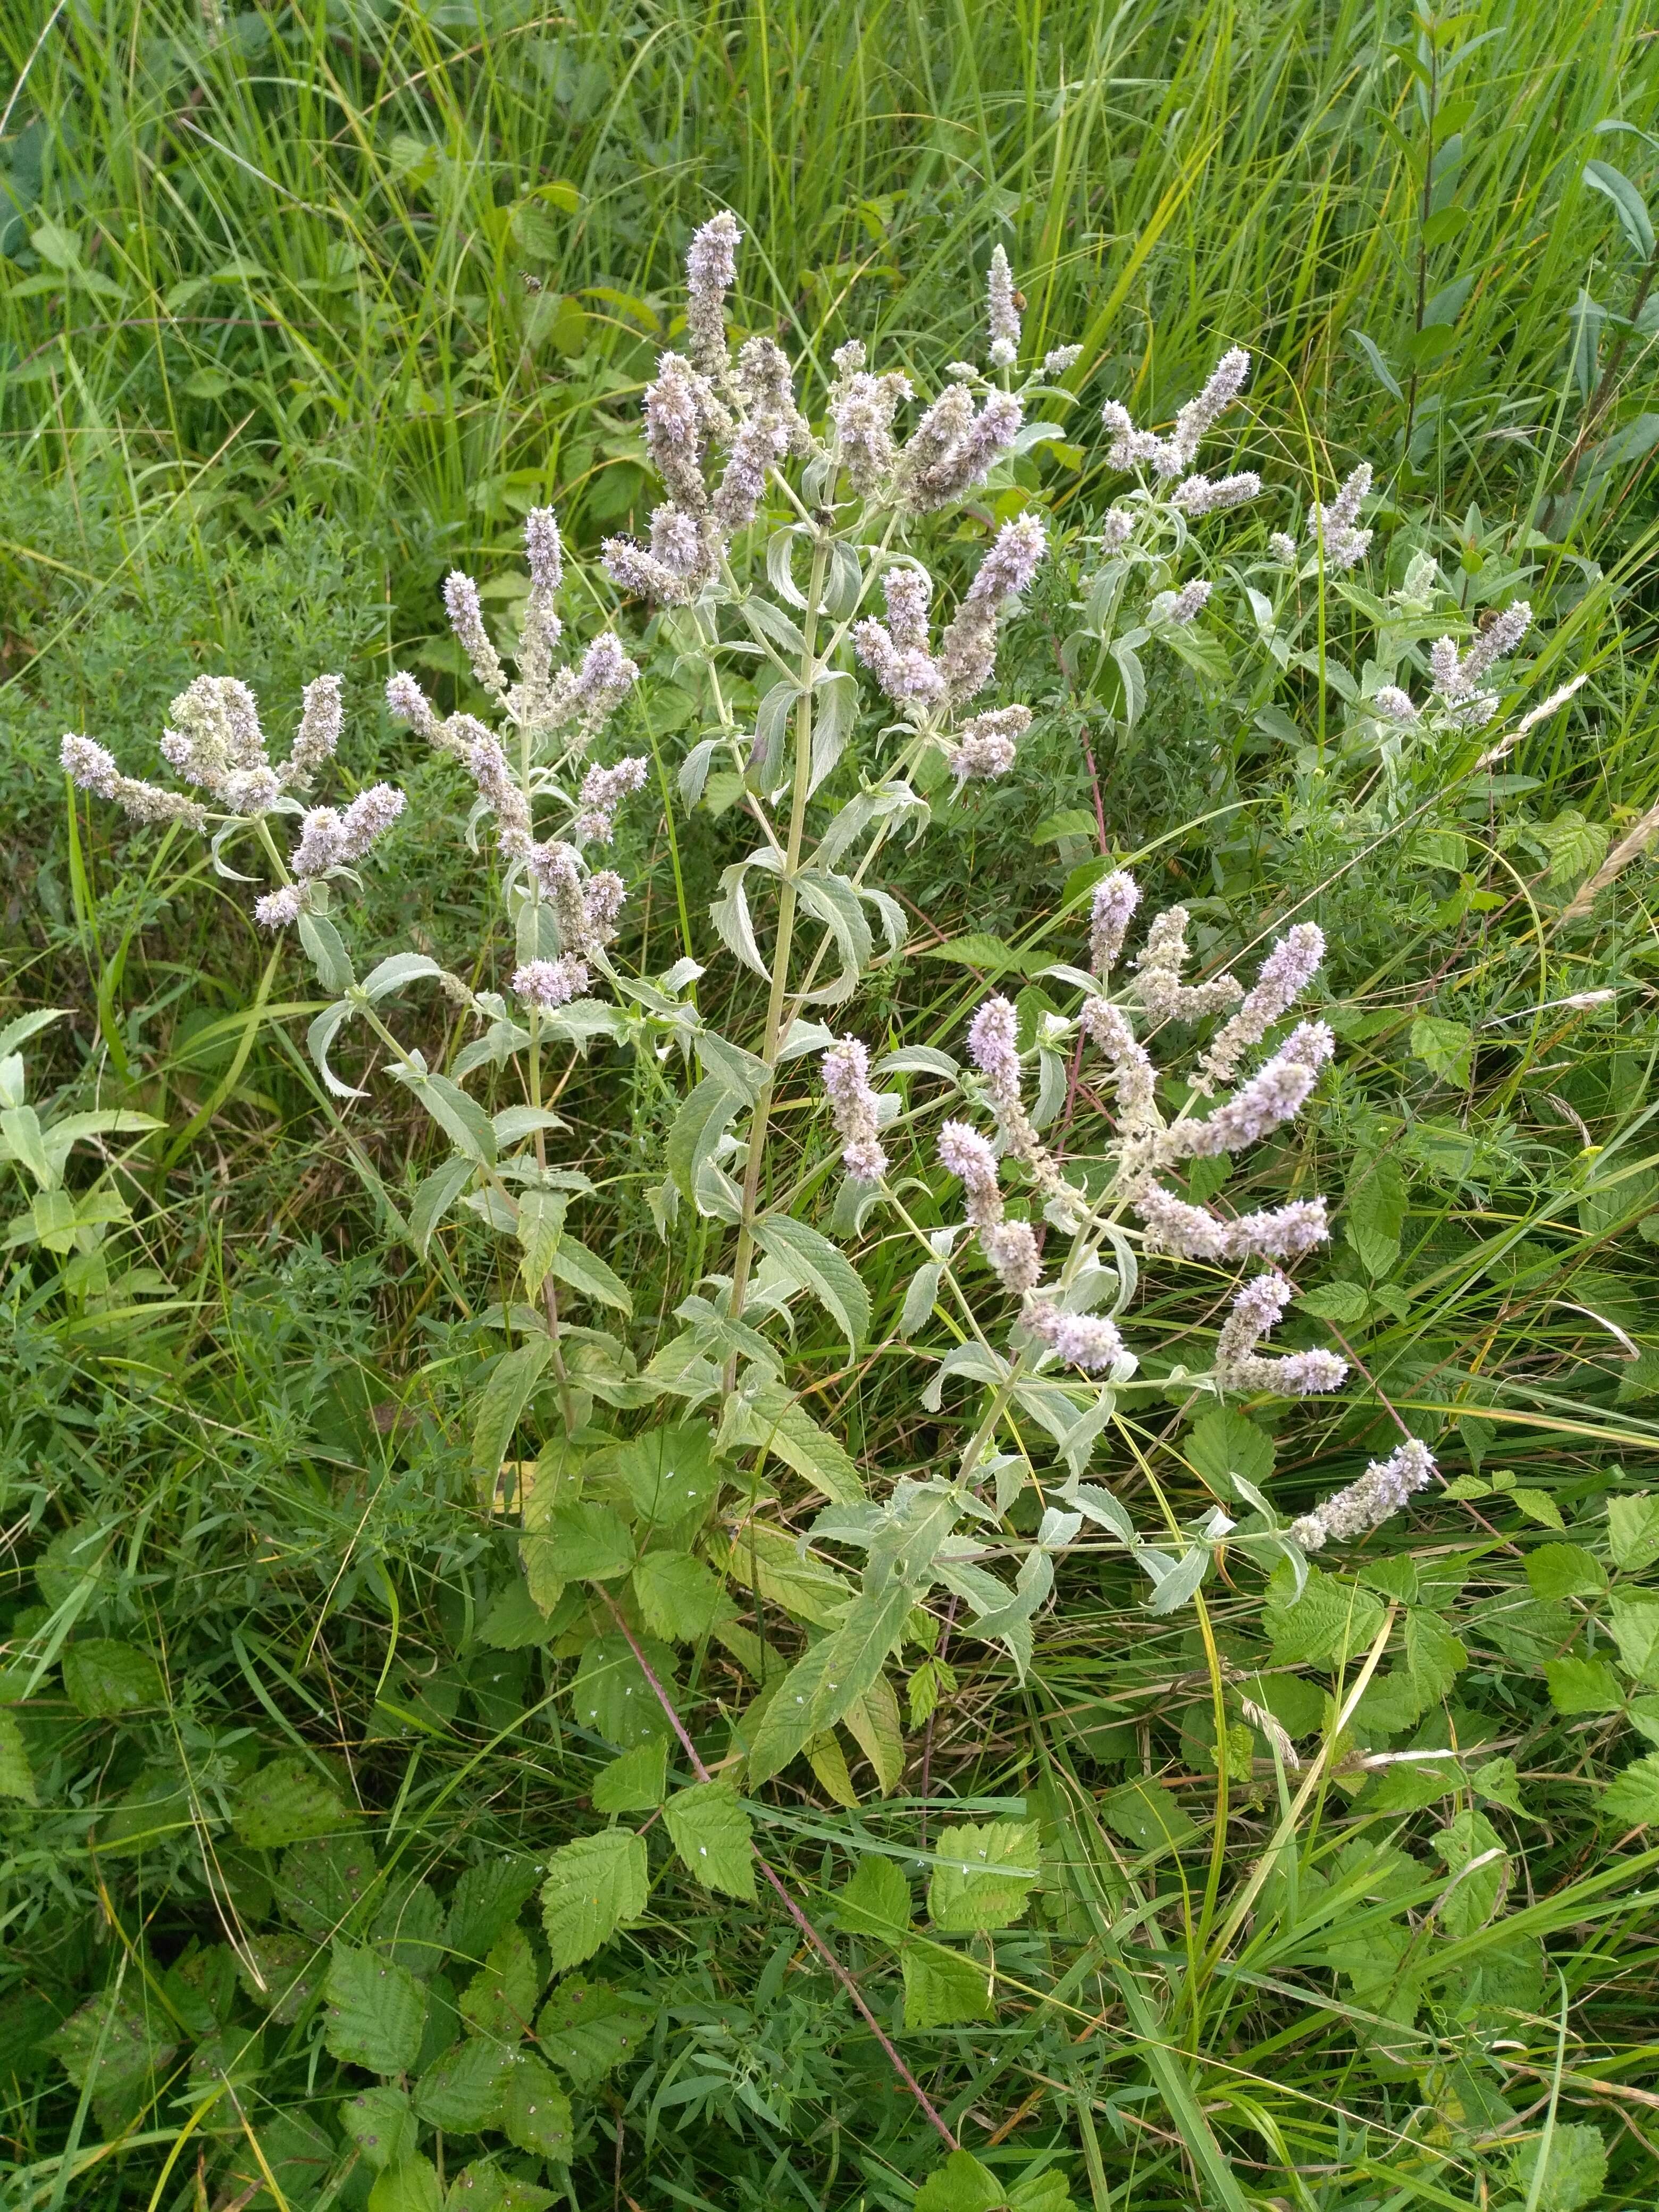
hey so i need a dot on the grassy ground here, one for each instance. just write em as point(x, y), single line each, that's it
point(299, 307)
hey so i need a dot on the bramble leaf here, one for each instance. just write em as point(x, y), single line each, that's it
point(594, 1886)
point(375, 2011)
point(711, 1832)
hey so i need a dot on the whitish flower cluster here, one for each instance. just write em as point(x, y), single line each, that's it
point(1177, 609)
point(215, 741)
point(1459, 699)
point(328, 840)
point(1174, 456)
point(1255, 1312)
point(919, 682)
point(854, 1110)
point(585, 908)
point(575, 701)
point(603, 792)
point(1003, 313)
point(1380, 1492)
point(986, 745)
point(1334, 528)
point(1112, 910)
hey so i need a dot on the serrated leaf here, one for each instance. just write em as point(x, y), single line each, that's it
point(541, 1218)
point(488, 1898)
point(511, 1386)
point(286, 1803)
point(775, 1420)
point(434, 1198)
point(679, 1597)
point(1226, 1442)
point(638, 1782)
point(381, 2125)
point(588, 2029)
point(703, 1118)
point(585, 1271)
point(290, 1969)
point(768, 1561)
point(587, 1542)
point(711, 1832)
point(515, 1621)
point(1565, 1570)
point(612, 1695)
point(1327, 1625)
point(821, 1269)
point(410, 2186)
point(536, 2113)
point(920, 1296)
point(819, 1687)
point(461, 2092)
point(500, 2000)
point(1633, 1532)
point(873, 1721)
point(483, 2187)
point(327, 952)
point(1635, 1626)
point(876, 1902)
point(943, 1988)
point(1583, 1686)
point(1377, 1206)
point(1445, 1048)
point(1147, 1816)
point(106, 2046)
point(16, 1777)
point(461, 1118)
point(979, 1879)
point(1434, 1656)
point(828, 1761)
point(374, 2010)
point(594, 1886)
point(103, 1679)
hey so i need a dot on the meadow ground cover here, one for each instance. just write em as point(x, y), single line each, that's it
point(826, 1079)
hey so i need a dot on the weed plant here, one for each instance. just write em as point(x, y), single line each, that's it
point(655, 1552)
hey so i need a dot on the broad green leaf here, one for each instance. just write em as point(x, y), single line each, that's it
point(500, 2000)
point(711, 1832)
point(1376, 1203)
point(1329, 1623)
point(978, 949)
point(1224, 1443)
point(983, 1875)
point(290, 1970)
point(1342, 1303)
point(594, 1886)
point(1633, 1532)
point(536, 2113)
point(16, 1777)
point(1565, 1570)
point(285, 1802)
point(327, 952)
point(461, 2091)
point(1147, 1816)
point(483, 2187)
point(106, 2046)
point(461, 1118)
point(400, 968)
point(876, 1902)
point(1434, 1656)
point(1635, 1625)
point(375, 2011)
point(1583, 1685)
point(511, 1386)
point(777, 1421)
point(612, 1695)
point(1445, 1048)
point(1499, 1782)
point(1474, 1900)
point(588, 2029)
point(671, 1475)
point(821, 1686)
point(587, 1542)
point(541, 1219)
point(703, 1118)
point(409, 1927)
point(1631, 1799)
point(1576, 2164)
point(943, 1988)
point(873, 1721)
point(679, 1597)
point(435, 1197)
point(380, 2123)
point(962, 2184)
point(768, 1561)
point(103, 1679)
point(513, 1621)
point(488, 1898)
point(828, 1761)
point(821, 1269)
point(412, 2185)
point(584, 1271)
point(638, 1782)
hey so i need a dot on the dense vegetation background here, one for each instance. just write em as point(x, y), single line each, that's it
point(300, 307)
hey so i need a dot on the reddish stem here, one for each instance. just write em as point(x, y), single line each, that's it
point(789, 1904)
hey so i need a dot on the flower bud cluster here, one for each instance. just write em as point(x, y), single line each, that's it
point(1003, 313)
point(1334, 528)
point(1382, 1491)
point(1256, 1311)
point(854, 1110)
point(1174, 456)
point(602, 791)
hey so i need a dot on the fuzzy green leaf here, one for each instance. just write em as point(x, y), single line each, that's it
point(594, 1886)
point(500, 2000)
point(1583, 1686)
point(588, 2029)
point(711, 1832)
point(821, 1269)
point(1633, 1532)
point(613, 1696)
point(943, 1988)
point(286, 1803)
point(380, 2123)
point(375, 2010)
point(679, 1597)
point(511, 1386)
point(635, 1782)
point(876, 1902)
point(983, 1875)
point(461, 2091)
point(104, 1678)
point(536, 2113)
point(412, 2185)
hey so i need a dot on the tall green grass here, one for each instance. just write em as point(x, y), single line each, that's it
point(299, 306)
